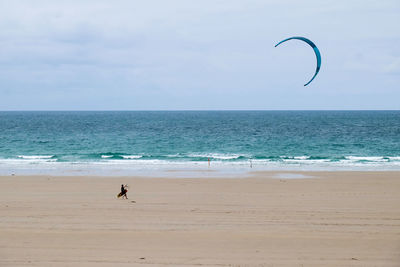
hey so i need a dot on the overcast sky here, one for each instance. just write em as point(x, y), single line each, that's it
point(173, 55)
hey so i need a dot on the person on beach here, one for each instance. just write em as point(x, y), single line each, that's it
point(123, 192)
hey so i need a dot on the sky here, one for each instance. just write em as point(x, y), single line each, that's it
point(198, 55)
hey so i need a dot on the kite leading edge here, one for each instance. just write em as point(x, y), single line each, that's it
point(316, 51)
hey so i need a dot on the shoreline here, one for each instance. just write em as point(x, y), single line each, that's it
point(215, 174)
point(332, 219)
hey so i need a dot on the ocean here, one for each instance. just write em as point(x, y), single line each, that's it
point(138, 142)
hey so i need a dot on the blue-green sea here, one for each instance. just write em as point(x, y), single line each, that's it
point(128, 142)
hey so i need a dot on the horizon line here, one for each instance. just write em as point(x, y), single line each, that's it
point(156, 110)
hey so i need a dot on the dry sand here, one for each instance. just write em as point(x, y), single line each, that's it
point(333, 219)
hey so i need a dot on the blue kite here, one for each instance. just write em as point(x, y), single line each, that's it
point(316, 51)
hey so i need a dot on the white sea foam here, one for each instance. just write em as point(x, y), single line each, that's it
point(132, 156)
point(296, 158)
point(35, 157)
point(216, 156)
point(36, 164)
point(106, 156)
point(175, 156)
point(301, 158)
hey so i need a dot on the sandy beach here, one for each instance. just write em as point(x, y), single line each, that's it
point(326, 219)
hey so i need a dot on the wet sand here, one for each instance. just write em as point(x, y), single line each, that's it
point(330, 219)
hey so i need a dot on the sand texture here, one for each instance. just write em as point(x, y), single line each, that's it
point(333, 219)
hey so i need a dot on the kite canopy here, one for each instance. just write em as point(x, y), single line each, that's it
point(316, 51)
